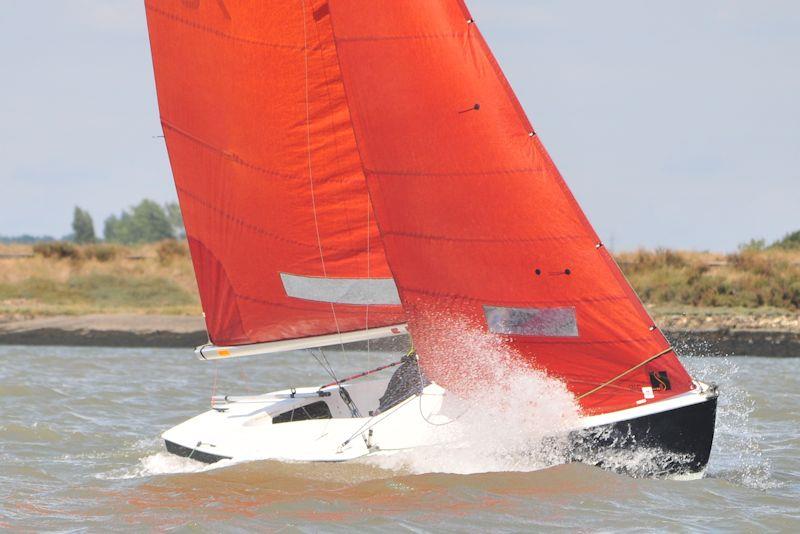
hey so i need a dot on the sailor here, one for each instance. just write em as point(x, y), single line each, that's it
point(406, 381)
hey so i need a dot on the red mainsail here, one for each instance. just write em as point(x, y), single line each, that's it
point(265, 162)
point(475, 218)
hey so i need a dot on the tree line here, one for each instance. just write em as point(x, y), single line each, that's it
point(145, 222)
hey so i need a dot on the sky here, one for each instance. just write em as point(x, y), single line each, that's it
point(676, 123)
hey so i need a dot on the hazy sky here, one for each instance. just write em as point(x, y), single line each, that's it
point(675, 122)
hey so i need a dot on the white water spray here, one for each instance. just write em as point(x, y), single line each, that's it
point(506, 416)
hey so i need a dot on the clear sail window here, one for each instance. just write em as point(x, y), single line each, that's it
point(547, 322)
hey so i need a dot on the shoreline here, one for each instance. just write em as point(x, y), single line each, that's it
point(713, 337)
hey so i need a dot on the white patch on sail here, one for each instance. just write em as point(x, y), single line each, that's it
point(359, 291)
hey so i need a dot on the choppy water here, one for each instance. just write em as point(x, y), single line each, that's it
point(79, 450)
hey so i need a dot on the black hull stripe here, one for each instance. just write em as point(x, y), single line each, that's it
point(194, 454)
point(685, 436)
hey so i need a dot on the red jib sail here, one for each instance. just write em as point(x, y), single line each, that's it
point(475, 219)
point(265, 162)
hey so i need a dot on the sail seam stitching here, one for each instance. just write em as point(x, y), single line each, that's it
point(602, 298)
point(228, 155)
point(455, 173)
point(412, 235)
point(206, 29)
point(250, 226)
point(265, 302)
point(362, 38)
point(572, 341)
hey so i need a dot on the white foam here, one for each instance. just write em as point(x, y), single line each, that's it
point(509, 414)
point(737, 455)
point(162, 463)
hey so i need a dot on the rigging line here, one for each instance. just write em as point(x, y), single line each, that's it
point(366, 308)
point(308, 142)
point(310, 171)
point(635, 367)
point(214, 385)
point(325, 357)
point(327, 369)
point(370, 422)
point(343, 393)
point(328, 365)
point(361, 375)
point(422, 394)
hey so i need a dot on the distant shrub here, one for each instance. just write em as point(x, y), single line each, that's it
point(789, 241)
point(754, 245)
point(101, 252)
point(647, 260)
point(753, 277)
point(170, 249)
point(58, 250)
point(25, 239)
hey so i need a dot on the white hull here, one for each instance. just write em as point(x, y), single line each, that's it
point(242, 428)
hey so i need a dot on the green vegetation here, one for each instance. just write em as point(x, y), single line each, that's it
point(789, 241)
point(24, 239)
point(82, 227)
point(146, 222)
point(175, 217)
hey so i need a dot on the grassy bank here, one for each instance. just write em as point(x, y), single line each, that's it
point(682, 287)
point(52, 280)
point(749, 279)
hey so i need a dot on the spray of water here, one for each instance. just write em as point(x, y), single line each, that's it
point(156, 461)
point(505, 414)
point(737, 455)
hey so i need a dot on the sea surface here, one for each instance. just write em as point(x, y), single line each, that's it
point(80, 451)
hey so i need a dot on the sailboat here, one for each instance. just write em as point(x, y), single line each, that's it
point(349, 171)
